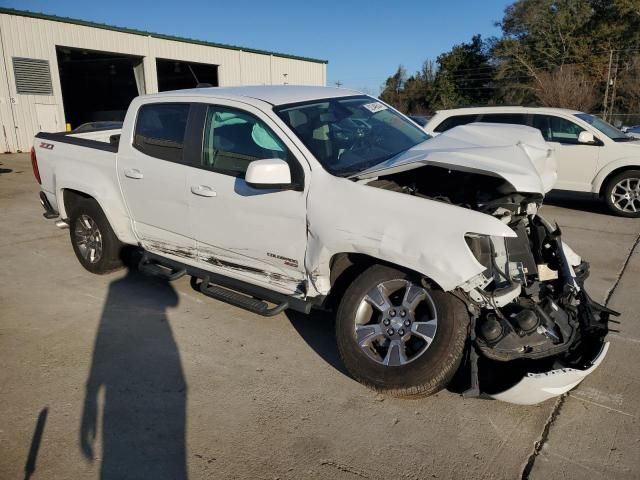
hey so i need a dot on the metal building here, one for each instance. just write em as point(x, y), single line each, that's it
point(56, 71)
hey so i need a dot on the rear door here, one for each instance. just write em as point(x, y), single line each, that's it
point(577, 162)
point(153, 176)
point(251, 234)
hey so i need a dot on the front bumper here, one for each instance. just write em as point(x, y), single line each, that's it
point(538, 387)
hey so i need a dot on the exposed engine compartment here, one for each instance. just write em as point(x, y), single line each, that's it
point(529, 310)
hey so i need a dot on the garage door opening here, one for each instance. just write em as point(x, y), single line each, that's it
point(98, 86)
point(176, 74)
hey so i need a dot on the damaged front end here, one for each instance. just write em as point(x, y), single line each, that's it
point(535, 332)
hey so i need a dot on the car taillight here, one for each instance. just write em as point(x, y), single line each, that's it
point(34, 165)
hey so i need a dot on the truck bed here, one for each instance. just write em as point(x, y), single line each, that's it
point(106, 140)
point(83, 162)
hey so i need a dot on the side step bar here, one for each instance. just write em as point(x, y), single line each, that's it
point(230, 290)
point(156, 269)
point(238, 299)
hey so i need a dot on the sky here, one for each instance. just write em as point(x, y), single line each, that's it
point(364, 41)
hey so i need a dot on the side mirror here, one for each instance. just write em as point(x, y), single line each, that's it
point(586, 137)
point(268, 173)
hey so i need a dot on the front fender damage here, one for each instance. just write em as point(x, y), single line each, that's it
point(392, 228)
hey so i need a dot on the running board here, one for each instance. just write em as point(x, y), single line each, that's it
point(237, 299)
point(238, 288)
point(150, 267)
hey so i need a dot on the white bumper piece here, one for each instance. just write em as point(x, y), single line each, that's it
point(538, 387)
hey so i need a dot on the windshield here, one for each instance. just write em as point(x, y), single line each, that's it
point(609, 130)
point(349, 135)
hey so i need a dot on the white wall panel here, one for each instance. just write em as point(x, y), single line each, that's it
point(24, 36)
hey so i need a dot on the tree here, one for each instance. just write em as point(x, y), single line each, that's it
point(393, 90)
point(464, 75)
point(459, 77)
point(567, 87)
point(540, 36)
point(551, 52)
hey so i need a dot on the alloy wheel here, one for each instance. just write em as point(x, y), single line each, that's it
point(396, 322)
point(625, 195)
point(88, 238)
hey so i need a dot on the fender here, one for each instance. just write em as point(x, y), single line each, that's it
point(104, 188)
point(605, 171)
point(420, 234)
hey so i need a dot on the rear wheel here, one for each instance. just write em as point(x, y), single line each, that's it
point(622, 194)
point(94, 242)
point(398, 337)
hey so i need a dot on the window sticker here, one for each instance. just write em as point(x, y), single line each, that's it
point(374, 107)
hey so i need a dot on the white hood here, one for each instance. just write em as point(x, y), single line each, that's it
point(516, 153)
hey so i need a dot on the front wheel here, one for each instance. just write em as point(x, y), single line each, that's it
point(398, 337)
point(94, 242)
point(622, 194)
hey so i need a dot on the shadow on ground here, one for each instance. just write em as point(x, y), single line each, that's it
point(136, 366)
point(584, 202)
point(318, 330)
point(5, 170)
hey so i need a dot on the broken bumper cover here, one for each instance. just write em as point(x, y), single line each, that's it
point(538, 387)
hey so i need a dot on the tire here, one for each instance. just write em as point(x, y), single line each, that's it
point(87, 216)
point(622, 194)
point(426, 367)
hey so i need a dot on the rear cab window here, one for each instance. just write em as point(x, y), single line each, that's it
point(160, 130)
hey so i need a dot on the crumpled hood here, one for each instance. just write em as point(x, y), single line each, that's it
point(516, 153)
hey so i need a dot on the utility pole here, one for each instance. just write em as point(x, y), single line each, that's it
point(606, 91)
point(615, 83)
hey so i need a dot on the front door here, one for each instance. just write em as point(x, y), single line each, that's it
point(153, 176)
point(242, 232)
point(577, 162)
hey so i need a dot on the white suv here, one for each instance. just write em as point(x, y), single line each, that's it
point(592, 155)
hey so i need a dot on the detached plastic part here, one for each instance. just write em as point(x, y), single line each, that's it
point(538, 387)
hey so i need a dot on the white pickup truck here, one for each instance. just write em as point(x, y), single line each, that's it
point(430, 250)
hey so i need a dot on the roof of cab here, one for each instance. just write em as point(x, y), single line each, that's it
point(273, 94)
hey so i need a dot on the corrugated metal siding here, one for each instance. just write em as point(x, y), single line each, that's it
point(37, 38)
point(297, 73)
point(7, 133)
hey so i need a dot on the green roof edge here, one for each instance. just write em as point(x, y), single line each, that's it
point(133, 31)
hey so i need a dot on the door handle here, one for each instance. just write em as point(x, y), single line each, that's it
point(203, 191)
point(133, 173)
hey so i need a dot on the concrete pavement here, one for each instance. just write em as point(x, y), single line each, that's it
point(125, 377)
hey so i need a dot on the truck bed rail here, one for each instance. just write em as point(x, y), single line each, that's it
point(67, 137)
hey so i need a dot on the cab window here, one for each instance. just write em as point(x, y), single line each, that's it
point(160, 130)
point(512, 118)
point(455, 121)
point(233, 139)
point(557, 129)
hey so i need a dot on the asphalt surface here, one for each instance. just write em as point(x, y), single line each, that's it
point(122, 376)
